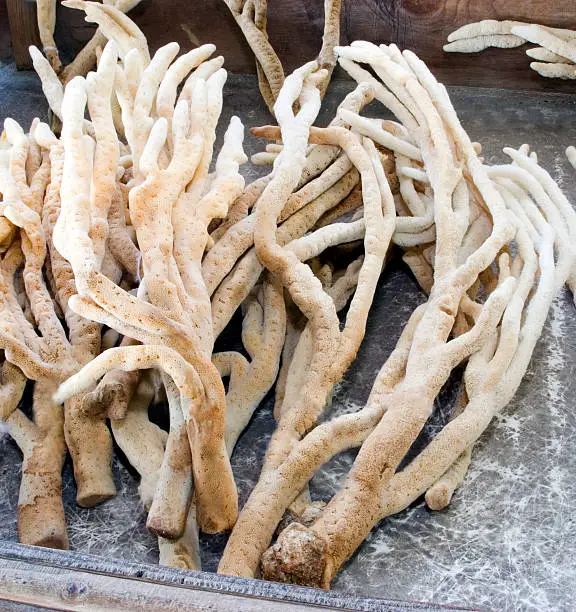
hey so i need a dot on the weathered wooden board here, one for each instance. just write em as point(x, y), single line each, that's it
point(59, 580)
point(295, 29)
point(18, 17)
point(5, 50)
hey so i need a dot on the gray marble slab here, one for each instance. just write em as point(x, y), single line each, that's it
point(506, 542)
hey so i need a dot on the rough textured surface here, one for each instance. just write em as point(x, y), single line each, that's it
point(281, 562)
point(506, 542)
point(22, 97)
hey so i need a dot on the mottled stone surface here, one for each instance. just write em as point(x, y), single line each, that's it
point(507, 540)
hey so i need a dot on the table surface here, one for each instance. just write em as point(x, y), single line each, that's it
point(506, 541)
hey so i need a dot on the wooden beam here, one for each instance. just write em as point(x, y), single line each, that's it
point(23, 29)
point(295, 31)
point(5, 46)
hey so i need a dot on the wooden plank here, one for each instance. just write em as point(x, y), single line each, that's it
point(63, 580)
point(5, 46)
point(295, 29)
point(23, 29)
point(424, 25)
point(58, 589)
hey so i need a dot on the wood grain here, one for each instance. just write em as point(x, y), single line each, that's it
point(424, 25)
point(66, 580)
point(58, 589)
point(5, 44)
point(21, 16)
point(295, 29)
